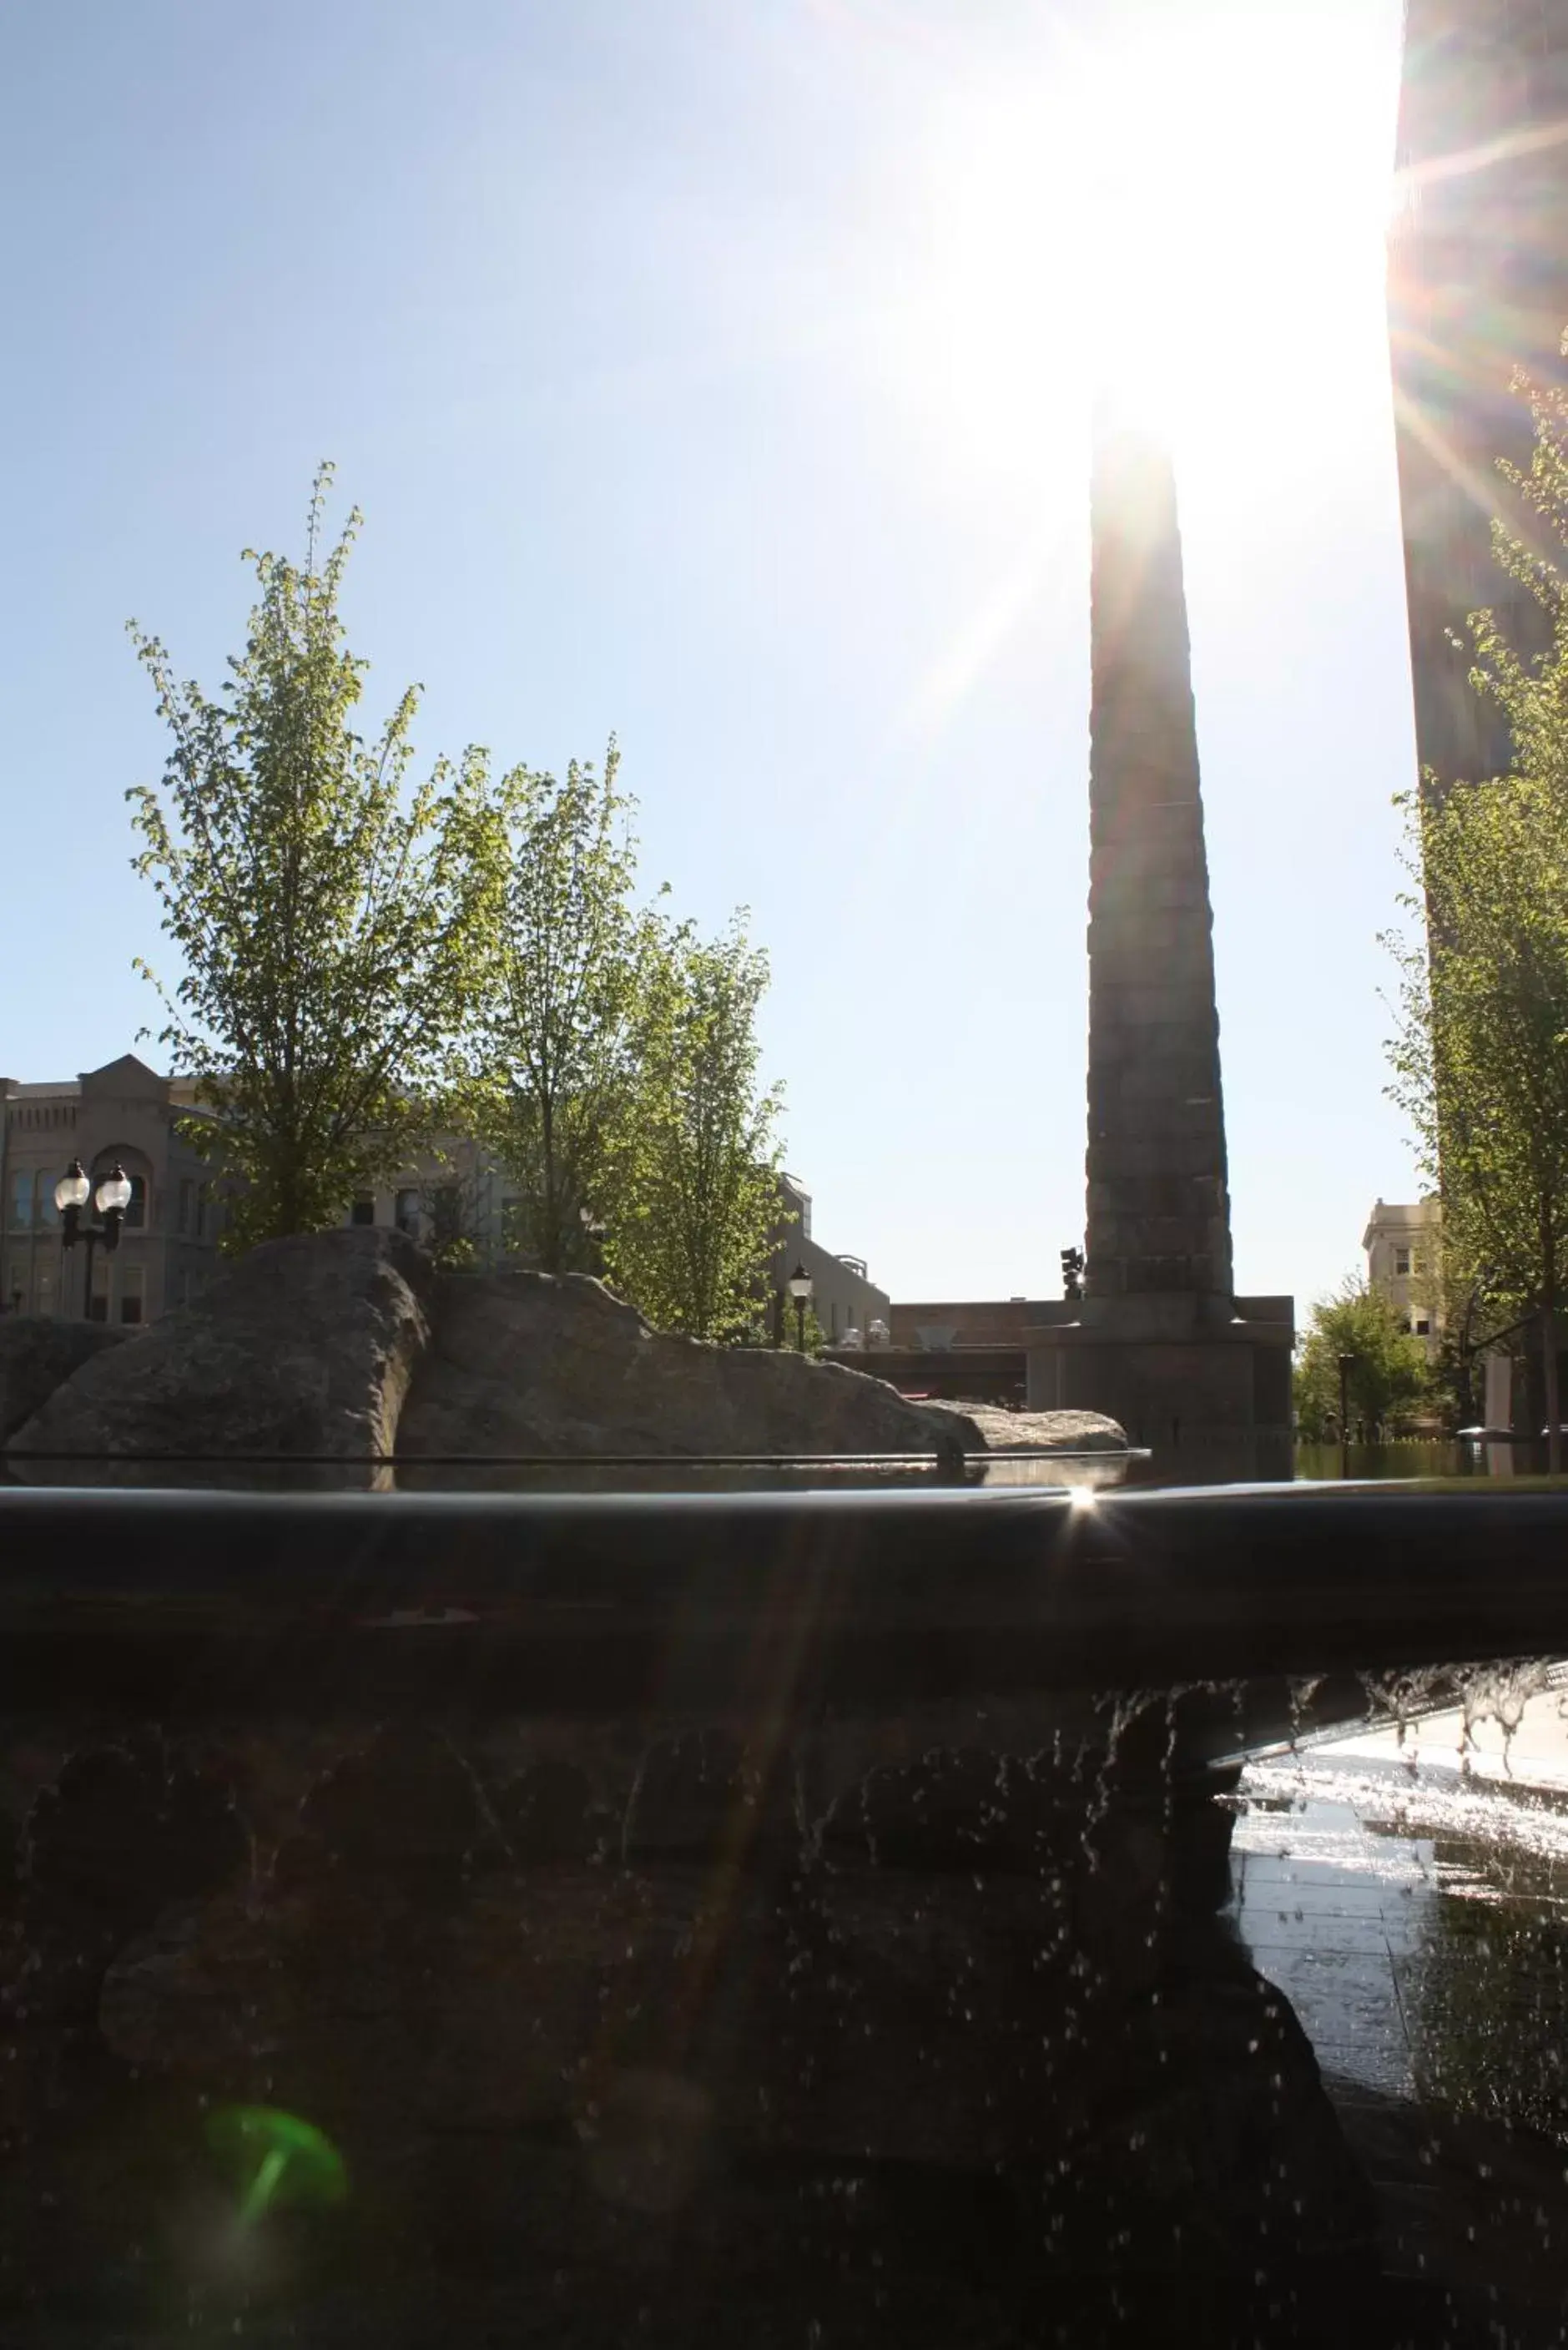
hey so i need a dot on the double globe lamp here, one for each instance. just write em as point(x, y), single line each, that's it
point(110, 1199)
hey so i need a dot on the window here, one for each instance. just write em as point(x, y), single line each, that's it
point(201, 1212)
point(446, 1212)
point(21, 1214)
point(186, 1202)
point(1401, 1259)
point(136, 1208)
point(1423, 1327)
point(44, 1207)
point(363, 1211)
point(131, 1292)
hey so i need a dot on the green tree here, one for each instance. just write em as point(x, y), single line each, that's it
point(1480, 1062)
point(1480, 1056)
point(324, 914)
point(570, 973)
point(1386, 1379)
point(695, 1199)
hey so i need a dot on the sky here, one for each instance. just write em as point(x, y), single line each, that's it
point(718, 377)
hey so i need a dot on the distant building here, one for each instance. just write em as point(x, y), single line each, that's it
point(168, 1247)
point(844, 1295)
point(126, 1112)
point(1401, 1245)
point(956, 1326)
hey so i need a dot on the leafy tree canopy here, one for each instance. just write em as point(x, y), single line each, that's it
point(324, 915)
point(1481, 1054)
point(569, 977)
point(696, 1198)
point(1386, 1378)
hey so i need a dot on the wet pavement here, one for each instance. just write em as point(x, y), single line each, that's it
point(1409, 1892)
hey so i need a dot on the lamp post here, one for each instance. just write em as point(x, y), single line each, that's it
point(800, 1288)
point(1345, 1363)
point(594, 1235)
point(110, 1199)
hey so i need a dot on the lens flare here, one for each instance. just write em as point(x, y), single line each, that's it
point(273, 2156)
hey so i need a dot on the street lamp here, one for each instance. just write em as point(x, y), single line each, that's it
point(800, 1287)
point(594, 1236)
point(111, 1199)
point(1345, 1362)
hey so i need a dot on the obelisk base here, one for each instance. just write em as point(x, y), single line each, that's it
point(1203, 1382)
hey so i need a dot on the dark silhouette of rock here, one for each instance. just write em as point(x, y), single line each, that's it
point(123, 1830)
point(302, 1348)
point(536, 1364)
point(37, 1354)
point(404, 1806)
point(955, 1809)
point(702, 1796)
point(548, 1813)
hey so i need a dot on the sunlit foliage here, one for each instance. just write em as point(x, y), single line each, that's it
point(324, 914)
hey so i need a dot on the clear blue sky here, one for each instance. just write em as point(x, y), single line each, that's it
point(717, 374)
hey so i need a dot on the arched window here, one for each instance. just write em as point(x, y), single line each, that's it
point(136, 1214)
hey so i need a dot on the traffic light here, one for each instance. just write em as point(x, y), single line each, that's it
point(1072, 1273)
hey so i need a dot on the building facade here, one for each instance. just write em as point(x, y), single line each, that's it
point(127, 1113)
point(1478, 286)
point(123, 1112)
point(844, 1297)
point(1401, 1245)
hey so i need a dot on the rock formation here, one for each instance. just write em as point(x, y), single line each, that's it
point(333, 1352)
point(534, 1364)
point(37, 1354)
point(304, 1349)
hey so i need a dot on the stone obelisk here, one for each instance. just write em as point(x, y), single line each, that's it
point(1159, 1339)
point(1159, 1209)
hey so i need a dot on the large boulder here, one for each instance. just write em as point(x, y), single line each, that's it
point(37, 1354)
point(539, 1364)
point(1039, 1431)
point(304, 1349)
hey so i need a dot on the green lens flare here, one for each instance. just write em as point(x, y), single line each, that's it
point(275, 2158)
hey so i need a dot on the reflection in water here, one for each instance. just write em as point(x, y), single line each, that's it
point(1412, 1457)
point(1409, 1893)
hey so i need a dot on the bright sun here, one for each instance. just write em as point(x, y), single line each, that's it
point(1188, 211)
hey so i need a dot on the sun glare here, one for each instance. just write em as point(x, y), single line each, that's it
point(1182, 212)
